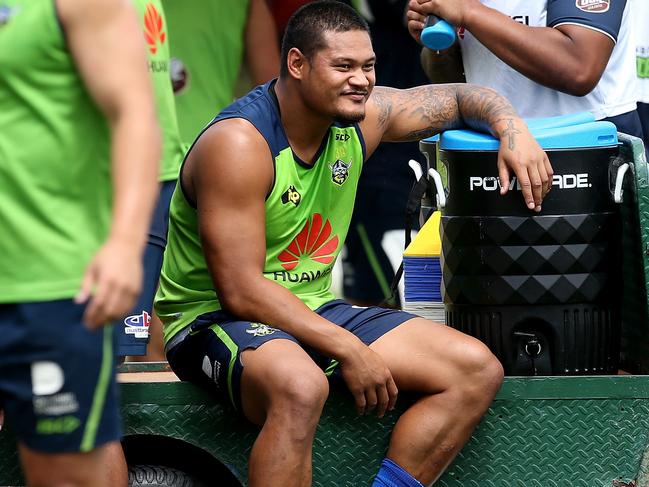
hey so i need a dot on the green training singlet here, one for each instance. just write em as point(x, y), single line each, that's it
point(156, 37)
point(55, 188)
point(207, 44)
point(307, 217)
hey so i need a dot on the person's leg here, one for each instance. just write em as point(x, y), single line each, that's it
point(101, 467)
point(155, 349)
point(459, 378)
point(265, 374)
point(140, 328)
point(59, 394)
point(284, 391)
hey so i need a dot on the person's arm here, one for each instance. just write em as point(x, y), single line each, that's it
point(261, 49)
point(119, 83)
point(569, 58)
point(407, 115)
point(443, 66)
point(229, 174)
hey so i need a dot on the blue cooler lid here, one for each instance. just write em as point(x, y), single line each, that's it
point(580, 136)
point(546, 123)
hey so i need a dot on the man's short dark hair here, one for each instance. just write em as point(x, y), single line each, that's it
point(307, 25)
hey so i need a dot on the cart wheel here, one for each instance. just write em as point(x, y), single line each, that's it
point(160, 476)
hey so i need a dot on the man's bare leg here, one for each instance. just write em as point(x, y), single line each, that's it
point(460, 377)
point(284, 391)
point(101, 467)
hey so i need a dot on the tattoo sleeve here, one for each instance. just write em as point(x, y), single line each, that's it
point(417, 113)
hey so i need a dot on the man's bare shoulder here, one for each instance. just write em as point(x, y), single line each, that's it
point(232, 147)
point(231, 136)
point(91, 10)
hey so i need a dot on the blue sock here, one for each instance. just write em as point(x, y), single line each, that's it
point(392, 475)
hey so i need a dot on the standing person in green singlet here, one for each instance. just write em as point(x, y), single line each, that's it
point(79, 148)
point(261, 211)
point(210, 42)
point(132, 332)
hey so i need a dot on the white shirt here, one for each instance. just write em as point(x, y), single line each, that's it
point(641, 16)
point(614, 94)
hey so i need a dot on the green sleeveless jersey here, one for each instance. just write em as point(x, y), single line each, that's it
point(307, 217)
point(55, 187)
point(207, 45)
point(156, 37)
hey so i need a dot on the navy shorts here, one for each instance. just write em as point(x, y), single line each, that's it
point(132, 333)
point(208, 351)
point(57, 378)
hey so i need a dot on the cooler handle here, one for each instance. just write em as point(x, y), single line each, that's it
point(416, 168)
point(439, 188)
point(619, 179)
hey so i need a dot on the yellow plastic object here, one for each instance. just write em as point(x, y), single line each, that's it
point(427, 243)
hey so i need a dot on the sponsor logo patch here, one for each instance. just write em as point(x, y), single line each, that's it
point(153, 29)
point(343, 137)
point(47, 378)
point(212, 370)
point(57, 426)
point(560, 181)
point(593, 6)
point(313, 242)
point(291, 195)
point(56, 404)
point(138, 325)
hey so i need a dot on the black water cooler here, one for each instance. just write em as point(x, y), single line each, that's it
point(541, 289)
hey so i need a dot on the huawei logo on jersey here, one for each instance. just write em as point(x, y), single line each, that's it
point(314, 242)
point(593, 6)
point(153, 33)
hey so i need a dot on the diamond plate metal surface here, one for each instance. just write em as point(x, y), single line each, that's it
point(553, 443)
point(544, 432)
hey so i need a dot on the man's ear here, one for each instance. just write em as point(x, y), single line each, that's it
point(296, 62)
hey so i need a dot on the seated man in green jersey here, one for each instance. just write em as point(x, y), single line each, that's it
point(259, 216)
point(79, 149)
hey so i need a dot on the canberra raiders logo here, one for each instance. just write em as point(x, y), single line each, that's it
point(260, 330)
point(340, 171)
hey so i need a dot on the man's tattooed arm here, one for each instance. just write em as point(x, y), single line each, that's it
point(417, 113)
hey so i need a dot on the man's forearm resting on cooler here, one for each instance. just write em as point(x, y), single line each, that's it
point(436, 108)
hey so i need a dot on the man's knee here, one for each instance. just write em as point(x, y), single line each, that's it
point(481, 370)
point(303, 392)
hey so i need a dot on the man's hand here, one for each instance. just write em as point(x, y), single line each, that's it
point(369, 380)
point(111, 282)
point(519, 152)
point(453, 12)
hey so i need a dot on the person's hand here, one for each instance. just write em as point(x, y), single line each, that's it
point(454, 12)
point(111, 282)
point(520, 152)
point(369, 380)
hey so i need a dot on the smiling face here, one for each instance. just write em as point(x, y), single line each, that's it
point(339, 78)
